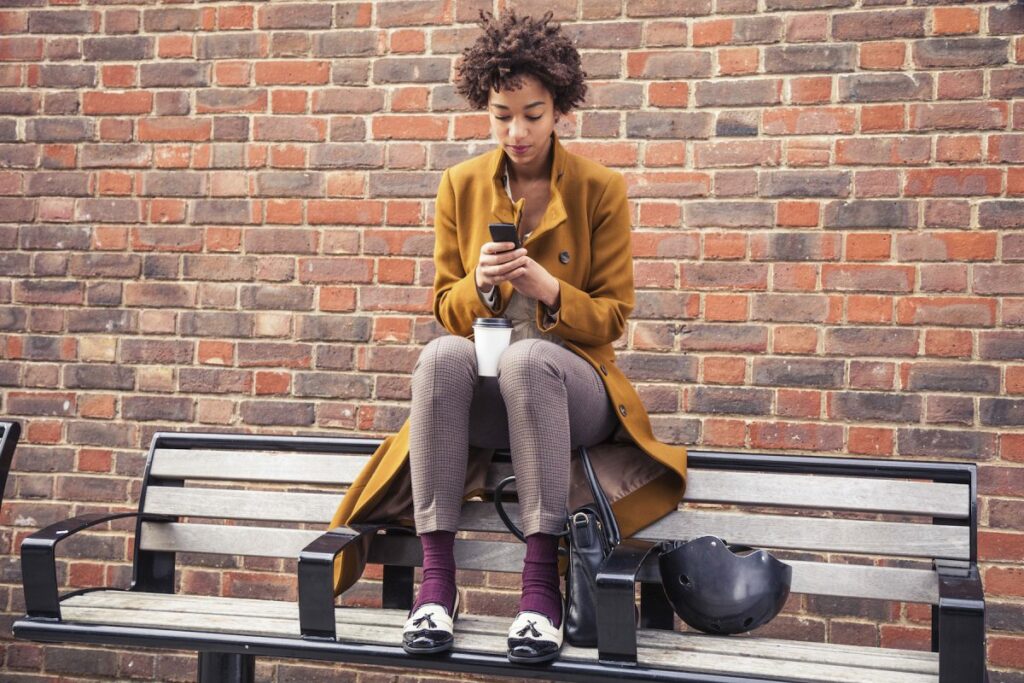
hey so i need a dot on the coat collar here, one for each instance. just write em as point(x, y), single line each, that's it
point(505, 211)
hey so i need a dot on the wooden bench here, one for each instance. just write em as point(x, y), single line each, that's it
point(851, 528)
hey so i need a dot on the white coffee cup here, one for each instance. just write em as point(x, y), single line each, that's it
point(492, 337)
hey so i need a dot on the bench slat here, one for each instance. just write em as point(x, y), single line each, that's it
point(828, 493)
point(704, 486)
point(800, 661)
point(817, 578)
point(807, 533)
point(274, 506)
point(297, 468)
point(895, 539)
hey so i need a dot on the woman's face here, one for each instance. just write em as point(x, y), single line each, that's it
point(522, 121)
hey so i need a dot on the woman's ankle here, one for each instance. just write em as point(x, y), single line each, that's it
point(438, 585)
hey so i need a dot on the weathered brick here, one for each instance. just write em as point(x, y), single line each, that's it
point(878, 25)
point(49, 292)
point(868, 87)
point(107, 210)
point(675, 125)
point(738, 93)
point(796, 435)
point(332, 385)
point(959, 52)
point(1006, 213)
point(725, 214)
point(61, 184)
point(727, 401)
point(805, 183)
point(795, 246)
point(157, 351)
point(1007, 83)
point(809, 58)
point(91, 320)
point(866, 406)
point(231, 46)
point(1002, 412)
point(333, 328)
point(729, 276)
point(725, 338)
point(67, 129)
point(408, 184)
point(999, 279)
point(174, 184)
point(658, 366)
point(664, 8)
point(411, 70)
point(949, 410)
point(217, 324)
point(271, 413)
point(118, 49)
point(867, 278)
point(869, 341)
point(777, 5)
point(222, 211)
point(116, 156)
point(105, 265)
point(166, 408)
point(787, 372)
point(944, 377)
point(621, 35)
point(960, 311)
point(790, 308)
point(19, 104)
point(295, 15)
point(870, 214)
point(669, 64)
point(276, 297)
point(214, 381)
point(94, 376)
point(958, 115)
point(171, 19)
point(174, 75)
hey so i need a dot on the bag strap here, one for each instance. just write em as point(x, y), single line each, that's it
point(609, 525)
point(604, 508)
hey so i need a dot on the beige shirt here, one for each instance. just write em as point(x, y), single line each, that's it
point(521, 310)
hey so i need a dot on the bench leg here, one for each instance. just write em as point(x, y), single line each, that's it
point(655, 609)
point(221, 667)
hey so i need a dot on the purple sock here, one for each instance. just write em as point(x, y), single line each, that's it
point(438, 585)
point(541, 591)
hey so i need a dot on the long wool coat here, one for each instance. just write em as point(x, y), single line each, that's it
point(583, 239)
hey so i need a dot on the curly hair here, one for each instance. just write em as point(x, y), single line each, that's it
point(513, 46)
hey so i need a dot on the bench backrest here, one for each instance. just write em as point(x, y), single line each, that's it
point(273, 495)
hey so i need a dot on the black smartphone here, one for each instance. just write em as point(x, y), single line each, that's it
point(505, 232)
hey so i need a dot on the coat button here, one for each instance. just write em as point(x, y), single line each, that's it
point(622, 409)
point(564, 257)
point(604, 370)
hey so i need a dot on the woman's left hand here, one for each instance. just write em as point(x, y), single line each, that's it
point(537, 283)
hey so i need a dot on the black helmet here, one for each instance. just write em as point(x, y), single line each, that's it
point(715, 590)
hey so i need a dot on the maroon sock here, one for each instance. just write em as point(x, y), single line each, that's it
point(438, 585)
point(541, 591)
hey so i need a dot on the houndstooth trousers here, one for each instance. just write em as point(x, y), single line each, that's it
point(545, 402)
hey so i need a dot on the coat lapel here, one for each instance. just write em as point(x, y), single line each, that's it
point(502, 209)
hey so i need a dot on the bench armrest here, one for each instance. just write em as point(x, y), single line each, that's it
point(316, 578)
point(616, 601)
point(39, 562)
point(961, 627)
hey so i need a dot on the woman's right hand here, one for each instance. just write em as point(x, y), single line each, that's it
point(499, 261)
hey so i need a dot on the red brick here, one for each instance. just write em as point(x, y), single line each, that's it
point(871, 440)
point(868, 247)
point(345, 212)
point(809, 120)
point(801, 340)
point(869, 309)
point(883, 118)
point(724, 370)
point(727, 246)
point(953, 182)
point(175, 129)
point(737, 61)
point(957, 311)
point(726, 308)
point(410, 128)
point(811, 90)
point(1006, 651)
point(724, 432)
point(954, 20)
point(948, 343)
point(883, 55)
point(796, 214)
point(292, 72)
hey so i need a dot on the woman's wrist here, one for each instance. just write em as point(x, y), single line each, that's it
point(553, 298)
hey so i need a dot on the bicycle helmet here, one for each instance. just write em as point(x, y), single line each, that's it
point(716, 590)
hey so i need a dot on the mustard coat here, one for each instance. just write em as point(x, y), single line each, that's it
point(583, 239)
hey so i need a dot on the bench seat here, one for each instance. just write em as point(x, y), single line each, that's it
point(483, 634)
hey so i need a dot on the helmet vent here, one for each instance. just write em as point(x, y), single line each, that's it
point(684, 579)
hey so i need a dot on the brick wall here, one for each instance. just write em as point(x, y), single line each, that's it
point(217, 216)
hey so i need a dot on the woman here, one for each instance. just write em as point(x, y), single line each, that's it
point(567, 292)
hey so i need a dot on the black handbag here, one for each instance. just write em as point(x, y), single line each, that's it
point(591, 532)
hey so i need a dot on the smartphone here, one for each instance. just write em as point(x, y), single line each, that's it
point(505, 232)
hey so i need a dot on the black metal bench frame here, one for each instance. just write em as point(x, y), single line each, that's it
point(957, 621)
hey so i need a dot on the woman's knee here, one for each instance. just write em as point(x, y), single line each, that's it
point(449, 351)
point(527, 359)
